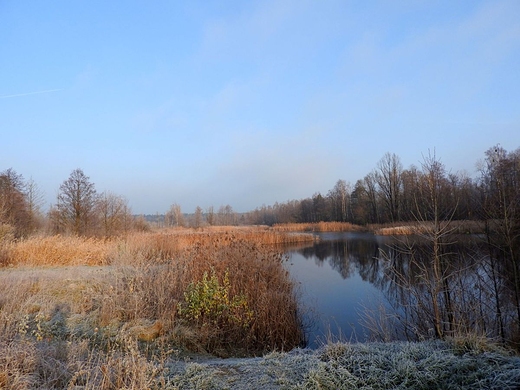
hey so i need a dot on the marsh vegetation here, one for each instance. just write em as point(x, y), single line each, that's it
point(96, 308)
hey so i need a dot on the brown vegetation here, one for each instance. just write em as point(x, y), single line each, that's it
point(42, 251)
point(456, 227)
point(317, 227)
point(111, 303)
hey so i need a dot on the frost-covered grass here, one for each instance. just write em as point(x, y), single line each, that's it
point(425, 365)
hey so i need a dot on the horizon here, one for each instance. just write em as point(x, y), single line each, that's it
point(249, 104)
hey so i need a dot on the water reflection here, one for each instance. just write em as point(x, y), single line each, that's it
point(362, 287)
point(340, 278)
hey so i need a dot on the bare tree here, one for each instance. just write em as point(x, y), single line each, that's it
point(210, 216)
point(389, 180)
point(114, 214)
point(429, 304)
point(500, 207)
point(364, 199)
point(226, 216)
point(174, 216)
point(13, 203)
point(340, 199)
point(370, 184)
point(35, 199)
point(437, 235)
point(76, 206)
point(197, 217)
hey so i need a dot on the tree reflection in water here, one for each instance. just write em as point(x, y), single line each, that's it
point(474, 298)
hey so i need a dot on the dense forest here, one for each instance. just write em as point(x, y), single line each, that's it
point(390, 194)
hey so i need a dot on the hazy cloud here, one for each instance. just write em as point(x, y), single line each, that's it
point(30, 93)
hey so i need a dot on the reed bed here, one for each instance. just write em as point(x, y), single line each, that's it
point(45, 251)
point(317, 227)
point(94, 314)
point(411, 228)
point(58, 251)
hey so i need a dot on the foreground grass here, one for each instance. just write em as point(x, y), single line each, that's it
point(424, 365)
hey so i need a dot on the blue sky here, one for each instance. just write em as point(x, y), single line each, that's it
point(250, 102)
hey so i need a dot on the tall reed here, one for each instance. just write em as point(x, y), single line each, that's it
point(58, 251)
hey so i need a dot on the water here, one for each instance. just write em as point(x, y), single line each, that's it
point(339, 278)
point(409, 290)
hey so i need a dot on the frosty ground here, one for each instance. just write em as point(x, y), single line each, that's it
point(397, 365)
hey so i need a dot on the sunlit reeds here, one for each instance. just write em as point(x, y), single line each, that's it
point(422, 227)
point(58, 251)
point(101, 314)
point(137, 286)
point(318, 227)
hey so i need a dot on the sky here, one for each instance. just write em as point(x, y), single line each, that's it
point(248, 103)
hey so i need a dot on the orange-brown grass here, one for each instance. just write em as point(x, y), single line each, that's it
point(166, 243)
point(155, 290)
point(137, 289)
point(58, 251)
point(456, 227)
point(317, 227)
point(397, 230)
point(150, 246)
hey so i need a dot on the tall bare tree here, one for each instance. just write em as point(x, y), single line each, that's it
point(114, 214)
point(76, 205)
point(500, 189)
point(13, 203)
point(174, 216)
point(35, 200)
point(210, 213)
point(438, 235)
point(197, 217)
point(340, 199)
point(368, 199)
point(389, 180)
point(226, 216)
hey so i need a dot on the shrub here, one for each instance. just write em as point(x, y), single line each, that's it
point(209, 303)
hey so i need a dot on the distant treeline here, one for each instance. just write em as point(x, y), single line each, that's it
point(388, 194)
point(391, 194)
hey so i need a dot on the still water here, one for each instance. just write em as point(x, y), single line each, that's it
point(339, 279)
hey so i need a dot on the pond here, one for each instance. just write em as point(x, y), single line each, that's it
point(339, 278)
point(361, 287)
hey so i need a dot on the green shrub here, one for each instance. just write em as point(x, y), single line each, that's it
point(209, 303)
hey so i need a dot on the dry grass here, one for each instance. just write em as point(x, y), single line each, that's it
point(317, 227)
point(457, 227)
point(101, 311)
point(52, 251)
point(58, 250)
point(397, 230)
